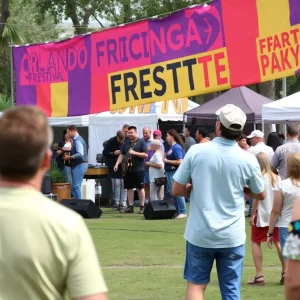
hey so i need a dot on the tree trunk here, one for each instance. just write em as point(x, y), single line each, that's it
point(267, 89)
point(127, 11)
point(4, 15)
point(209, 96)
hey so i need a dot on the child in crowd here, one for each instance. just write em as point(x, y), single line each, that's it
point(260, 218)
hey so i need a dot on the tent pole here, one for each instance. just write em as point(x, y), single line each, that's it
point(183, 123)
point(263, 126)
point(284, 87)
point(12, 75)
point(254, 126)
point(284, 128)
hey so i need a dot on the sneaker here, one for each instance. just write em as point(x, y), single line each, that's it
point(127, 210)
point(121, 208)
point(181, 216)
point(141, 209)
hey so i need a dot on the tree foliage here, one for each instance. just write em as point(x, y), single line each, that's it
point(4, 14)
point(21, 27)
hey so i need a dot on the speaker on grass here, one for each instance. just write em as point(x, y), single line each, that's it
point(161, 209)
point(46, 185)
point(86, 208)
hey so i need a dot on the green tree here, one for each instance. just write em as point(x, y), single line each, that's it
point(118, 12)
point(21, 28)
point(4, 15)
point(79, 11)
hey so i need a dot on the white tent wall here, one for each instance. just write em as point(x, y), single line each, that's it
point(80, 121)
point(104, 127)
point(282, 111)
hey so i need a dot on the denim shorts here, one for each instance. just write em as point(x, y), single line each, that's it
point(147, 177)
point(283, 234)
point(229, 262)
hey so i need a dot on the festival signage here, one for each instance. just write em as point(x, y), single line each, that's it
point(197, 50)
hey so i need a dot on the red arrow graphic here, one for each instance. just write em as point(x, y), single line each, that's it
point(209, 30)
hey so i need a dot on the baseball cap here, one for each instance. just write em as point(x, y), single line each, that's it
point(256, 133)
point(157, 132)
point(232, 117)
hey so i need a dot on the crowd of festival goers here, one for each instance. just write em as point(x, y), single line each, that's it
point(154, 162)
point(217, 175)
point(152, 158)
point(279, 162)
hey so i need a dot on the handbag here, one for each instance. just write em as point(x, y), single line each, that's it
point(160, 181)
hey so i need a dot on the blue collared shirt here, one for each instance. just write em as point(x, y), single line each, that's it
point(79, 148)
point(219, 171)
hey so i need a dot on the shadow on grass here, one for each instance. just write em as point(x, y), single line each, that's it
point(134, 230)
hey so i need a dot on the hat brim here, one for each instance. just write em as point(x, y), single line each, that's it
point(250, 136)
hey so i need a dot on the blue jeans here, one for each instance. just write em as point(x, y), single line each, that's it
point(167, 194)
point(77, 178)
point(67, 173)
point(229, 261)
point(283, 235)
point(250, 206)
point(178, 201)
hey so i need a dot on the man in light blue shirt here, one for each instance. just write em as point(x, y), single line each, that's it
point(78, 160)
point(216, 175)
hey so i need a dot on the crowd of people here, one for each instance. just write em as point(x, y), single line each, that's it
point(153, 163)
point(217, 175)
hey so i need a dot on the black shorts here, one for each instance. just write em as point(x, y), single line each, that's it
point(134, 180)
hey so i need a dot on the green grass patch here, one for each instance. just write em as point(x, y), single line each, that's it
point(143, 260)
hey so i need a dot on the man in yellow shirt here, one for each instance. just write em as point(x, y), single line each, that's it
point(46, 250)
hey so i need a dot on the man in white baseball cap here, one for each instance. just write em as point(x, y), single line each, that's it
point(216, 225)
point(258, 144)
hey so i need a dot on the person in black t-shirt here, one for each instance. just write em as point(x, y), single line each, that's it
point(112, 150)
point(136, 150)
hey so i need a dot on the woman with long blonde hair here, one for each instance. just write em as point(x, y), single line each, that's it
point(260, 218)
point(285, 196)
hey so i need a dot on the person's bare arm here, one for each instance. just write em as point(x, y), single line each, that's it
point(101, 296)
point(119, 160)
point(260, 196)
point(277, 205)
point(173, 162)
point(138, 154)
point(180, 190)
point(156, 166)
point(254, 210)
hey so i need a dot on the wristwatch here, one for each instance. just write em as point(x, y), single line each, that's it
point(269, 234)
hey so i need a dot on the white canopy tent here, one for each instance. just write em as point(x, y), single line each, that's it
point(282, 111)
point(80, 121)
point(99, 132)
point(105, 125)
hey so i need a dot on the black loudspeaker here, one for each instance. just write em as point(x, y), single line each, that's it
point(46, 185)
point(161, 209)
point(86, 208)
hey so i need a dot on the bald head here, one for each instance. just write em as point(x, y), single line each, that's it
point(120, 136)
point(147, 133)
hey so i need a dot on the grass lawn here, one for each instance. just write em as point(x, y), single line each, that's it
point(143, 260)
